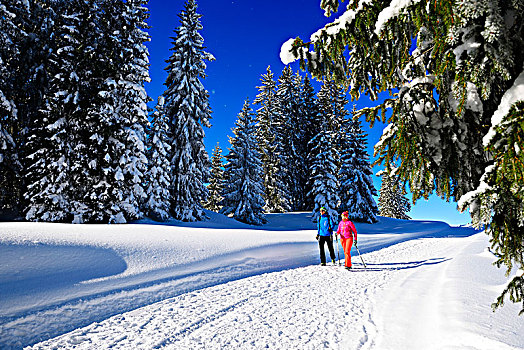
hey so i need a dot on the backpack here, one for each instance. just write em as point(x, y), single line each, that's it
point(330, 226)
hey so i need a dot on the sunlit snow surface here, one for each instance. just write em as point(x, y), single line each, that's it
point(222, 284)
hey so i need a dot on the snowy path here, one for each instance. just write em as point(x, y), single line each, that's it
point(55, 278)
point(408, 292)
point(452, 302)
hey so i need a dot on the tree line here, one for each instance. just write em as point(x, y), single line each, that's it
point(298, 151)
point(79, 144)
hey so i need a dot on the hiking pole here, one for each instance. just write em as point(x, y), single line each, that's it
point(360, 256)
point(338, 251)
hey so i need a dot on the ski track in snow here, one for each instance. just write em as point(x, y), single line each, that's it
point(311, 307)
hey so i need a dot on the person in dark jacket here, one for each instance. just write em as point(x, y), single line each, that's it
point(325, 235)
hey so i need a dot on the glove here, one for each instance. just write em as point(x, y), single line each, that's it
point(355, 243)
point(317, 237)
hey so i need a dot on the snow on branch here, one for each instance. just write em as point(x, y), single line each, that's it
point(331, 29)
point(286, 56)
point(514, 94)
point(340, 23)
point(392, 11)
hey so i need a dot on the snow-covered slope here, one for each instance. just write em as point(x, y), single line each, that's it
point(189, 285)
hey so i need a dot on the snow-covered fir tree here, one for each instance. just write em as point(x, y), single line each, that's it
point(332, 103)
point(323, 174)
point(452, 113)
point(127, 143)
point(312, 123)
point(93, 122)
point(187, 107)
point(48, 174)
point(355, 175)
point(30, 84)
point(10, 167)
point(91, 166)
point(86, 153)
point(325, 148)
point(291, 137)
point(159, 171)
point(110, 161)
point(276, 194)
point(31, 87)
point(81, 107)
point(244, 187)
point(391, 202)
point(216, 181)
point(324, 156)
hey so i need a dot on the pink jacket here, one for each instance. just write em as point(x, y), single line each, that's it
point(346, 229)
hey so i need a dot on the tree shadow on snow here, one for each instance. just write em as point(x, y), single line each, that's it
point(300, 221)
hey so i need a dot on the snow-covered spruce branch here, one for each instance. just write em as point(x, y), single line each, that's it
point(514, 288)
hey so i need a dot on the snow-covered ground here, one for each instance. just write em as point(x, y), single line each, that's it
point(222, 284)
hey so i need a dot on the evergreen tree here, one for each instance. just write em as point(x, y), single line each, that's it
point(159, 180)
point(109, 135)
point(324, 155)
point(275, 192)
point(216, 183)
point(244, 189)
point(127, 144)
point(332, 105)
point(10, 166)
point(323, 174)
point(391, 202)
point(31, 77)
point(92, 166)
point(81, 107)
point(30, 87)
point(312, 123)
point(325, 158)
point(291, 137)
point(187, 107)
point(450, 114)
point(86, 145)
point(356, 186)
point(91, 123)
point(48, 173)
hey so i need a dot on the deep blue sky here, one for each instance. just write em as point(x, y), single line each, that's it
point(245, 37)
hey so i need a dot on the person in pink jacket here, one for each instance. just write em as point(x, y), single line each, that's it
point(348, 235)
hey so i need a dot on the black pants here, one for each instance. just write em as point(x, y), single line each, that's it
point(329, 241)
